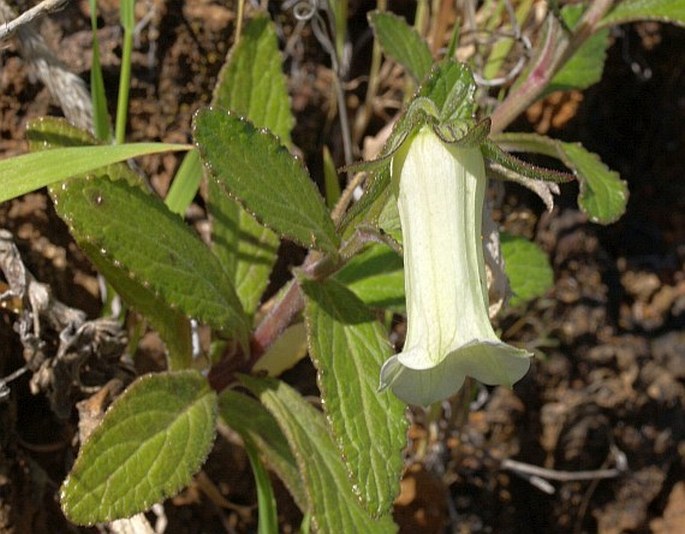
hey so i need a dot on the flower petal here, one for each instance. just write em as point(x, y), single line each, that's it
point(493, 362)
point(421, 388)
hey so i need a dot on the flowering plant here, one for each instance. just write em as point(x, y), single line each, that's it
point(423, 197)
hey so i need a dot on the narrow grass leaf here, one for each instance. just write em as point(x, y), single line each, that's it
point(331, 179)
point(348, 347)
point(254, 423)
point(151, 442)
point(267, 521)
point(97, 83)
point(185, 184)
point(28, 172)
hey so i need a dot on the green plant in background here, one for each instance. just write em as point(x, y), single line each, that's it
point(343, 464)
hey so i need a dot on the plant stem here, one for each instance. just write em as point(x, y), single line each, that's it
point(365, 111)
point(557, 48)
point(128, 23)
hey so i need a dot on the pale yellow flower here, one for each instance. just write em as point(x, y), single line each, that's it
point(440, 193)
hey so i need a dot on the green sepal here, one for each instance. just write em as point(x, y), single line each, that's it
point(495, 154)
point(603, 195)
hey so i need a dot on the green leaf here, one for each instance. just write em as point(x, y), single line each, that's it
point(376, 277)
point(151, 442)
point(253, 166)
point(635, 10)
point(155, 246)
point(331, 179)
point(246, 250)
point(348, 348)
point(172, 325)
point(266, 501)
point(603, 195)
point(402, 43)
point(331, 501)
point(253, 422)
point(186, 183)
point(585, 67)
point(527, 267)
point(251, 82)
point(97, 83)
point(28, 172)
point(53, 132)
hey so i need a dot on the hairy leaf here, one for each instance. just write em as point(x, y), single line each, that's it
point(348, 347)
point(171, 324)
point(153, 439)
point(498, 156)
point(136, 231)
point(253, 166)
point(603, 195)
point(251, 83)
point(331, 501)
point(635, 10)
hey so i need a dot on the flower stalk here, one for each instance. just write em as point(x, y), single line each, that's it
point(440, 191)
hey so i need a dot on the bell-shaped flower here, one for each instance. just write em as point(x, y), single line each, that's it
point(440, 193)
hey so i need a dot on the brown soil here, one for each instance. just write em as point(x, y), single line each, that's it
point(608, 385)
